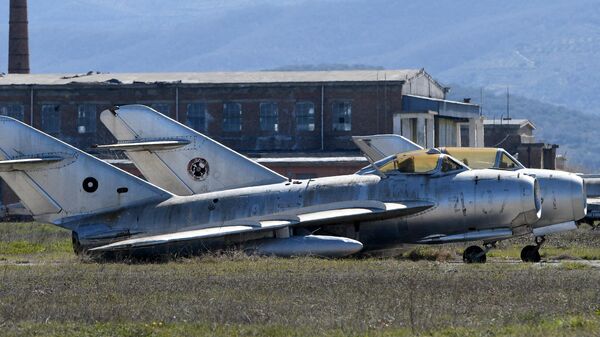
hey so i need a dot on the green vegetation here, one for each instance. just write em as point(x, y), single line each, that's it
point(25, 242)
point(573, 325)
point(56, 293)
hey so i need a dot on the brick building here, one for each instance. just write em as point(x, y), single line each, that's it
point(516, 137)
point(250, 112)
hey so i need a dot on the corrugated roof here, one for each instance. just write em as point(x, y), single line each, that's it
point(212, 77)
point(518, 122)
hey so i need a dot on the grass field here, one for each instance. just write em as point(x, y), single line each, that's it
point(45, 290)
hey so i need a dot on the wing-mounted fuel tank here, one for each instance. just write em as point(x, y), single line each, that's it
point(307, 245)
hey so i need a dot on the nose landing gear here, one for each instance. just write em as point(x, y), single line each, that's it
point(531, 253)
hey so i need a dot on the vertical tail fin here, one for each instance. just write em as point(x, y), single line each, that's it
point(177, 158)
point(55, 180)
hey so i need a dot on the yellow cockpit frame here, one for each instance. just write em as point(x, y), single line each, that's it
point(419, 162)
point(483, 157)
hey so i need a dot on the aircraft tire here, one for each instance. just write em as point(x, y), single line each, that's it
point(530, 254)
point(77, 248)
point(474, 254)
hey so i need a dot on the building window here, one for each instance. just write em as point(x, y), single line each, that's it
point(86, 118)
point(269, 120)
point(51, 118)
point(342, 116)
point(305, 116)
point(196, 116)
point(12, 110)
point(232, 117)
point(162, 108)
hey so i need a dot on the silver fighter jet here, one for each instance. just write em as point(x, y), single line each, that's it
point(563, 193)
point(411, 198)
point(454, 197)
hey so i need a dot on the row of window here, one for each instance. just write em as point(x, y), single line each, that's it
point(232, 116)
point(196, 116)
point(268, 116)
point(86, 116)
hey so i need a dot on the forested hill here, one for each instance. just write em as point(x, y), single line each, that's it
point(574, 131)
point(546, 50)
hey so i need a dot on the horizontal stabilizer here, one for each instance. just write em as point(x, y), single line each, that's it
point(26, 164)
point(146, 145)
point(372, 210)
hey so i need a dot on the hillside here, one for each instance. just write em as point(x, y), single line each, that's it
point(544, 50)
point(573, 130)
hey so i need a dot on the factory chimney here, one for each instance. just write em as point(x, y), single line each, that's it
point(18, 38)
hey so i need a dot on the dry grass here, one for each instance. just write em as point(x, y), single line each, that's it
point(314, 295)
point(232, 294)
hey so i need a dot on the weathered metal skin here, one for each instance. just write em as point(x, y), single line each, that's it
point(461, 201)
point(564, 195)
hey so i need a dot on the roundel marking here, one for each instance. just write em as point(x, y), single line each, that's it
point(198, 168)
point(90, 184)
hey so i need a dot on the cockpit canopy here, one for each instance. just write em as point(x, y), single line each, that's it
point(416, 162)
point(484, 158)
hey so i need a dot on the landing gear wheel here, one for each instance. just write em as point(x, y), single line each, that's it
point(531, 254)
point(77, 248)
point(474, 254)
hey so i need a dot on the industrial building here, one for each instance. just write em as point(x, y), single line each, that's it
point(252, 112)
point(516, 137)
point(261, 114)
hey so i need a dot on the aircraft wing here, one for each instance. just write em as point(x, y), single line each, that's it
point(371, 210)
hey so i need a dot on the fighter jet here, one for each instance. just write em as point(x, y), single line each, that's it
point(563, 193)
point(442, 199)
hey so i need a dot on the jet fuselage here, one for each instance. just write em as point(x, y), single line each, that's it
point(461, 201)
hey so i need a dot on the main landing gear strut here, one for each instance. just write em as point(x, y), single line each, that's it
point(531, 253)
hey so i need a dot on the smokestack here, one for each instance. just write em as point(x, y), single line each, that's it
point(18, 38)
